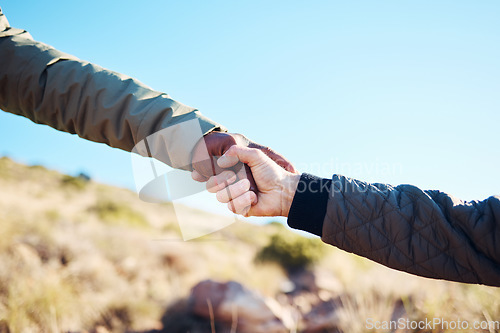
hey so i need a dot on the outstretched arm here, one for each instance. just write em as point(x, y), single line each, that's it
point(57, 89)
point(427, 233)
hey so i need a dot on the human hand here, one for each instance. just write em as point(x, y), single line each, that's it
point(216, 144)
point(276, 185)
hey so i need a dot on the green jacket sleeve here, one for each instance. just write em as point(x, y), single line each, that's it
point(53, 88)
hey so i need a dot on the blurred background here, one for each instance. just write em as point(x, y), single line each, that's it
point(383, 91)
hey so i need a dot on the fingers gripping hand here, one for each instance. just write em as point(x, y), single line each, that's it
point(215, 144)
point(198, 176)
point(209, 149)
point(243, 204)
point(270, 178)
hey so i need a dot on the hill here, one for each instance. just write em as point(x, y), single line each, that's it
point(82, 256)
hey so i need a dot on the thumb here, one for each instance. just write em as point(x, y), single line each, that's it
point(276, 157)
point(250, 156)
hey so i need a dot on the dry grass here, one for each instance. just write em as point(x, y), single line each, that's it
point(75, 257)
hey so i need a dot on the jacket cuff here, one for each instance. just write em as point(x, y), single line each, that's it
point(309, 204)
point(172, 130)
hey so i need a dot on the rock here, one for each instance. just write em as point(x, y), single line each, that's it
point(323, 317)
point(310, 288)
point(313, 281)
point(179, 318)
point(303, 280)
point(235, 305)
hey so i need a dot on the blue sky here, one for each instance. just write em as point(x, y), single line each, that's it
point(383, 91)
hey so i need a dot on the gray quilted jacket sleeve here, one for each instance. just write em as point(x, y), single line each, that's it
point(57, 89)
point(427, 233)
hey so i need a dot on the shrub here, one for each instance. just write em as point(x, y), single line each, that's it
point(78, 183)
point(118, 213)
point(291, 251)
point(37, 167)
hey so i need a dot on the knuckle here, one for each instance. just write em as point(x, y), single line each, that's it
point(219, 196)
point(255, 152)
point(259, 154)
point(241, 184)
point(228, 176)
point(248, 198)
point(211, 186)
point(222, 196)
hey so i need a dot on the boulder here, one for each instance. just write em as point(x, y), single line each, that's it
point(323, 317)
point(233, 304)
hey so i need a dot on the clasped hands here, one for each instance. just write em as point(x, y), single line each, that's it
point(264, 187)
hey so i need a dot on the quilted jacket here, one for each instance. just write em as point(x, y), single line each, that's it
point(57, 89)
point(427, 233)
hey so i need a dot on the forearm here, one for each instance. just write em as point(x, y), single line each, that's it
point(426, 233)
point(59, 90)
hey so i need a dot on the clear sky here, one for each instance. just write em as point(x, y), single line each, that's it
point(383, 91)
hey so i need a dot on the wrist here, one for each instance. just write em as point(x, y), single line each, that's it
point(289, 186)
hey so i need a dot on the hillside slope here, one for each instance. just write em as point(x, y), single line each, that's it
point(81, 256)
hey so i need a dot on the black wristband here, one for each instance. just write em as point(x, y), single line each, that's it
point(309, 204)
